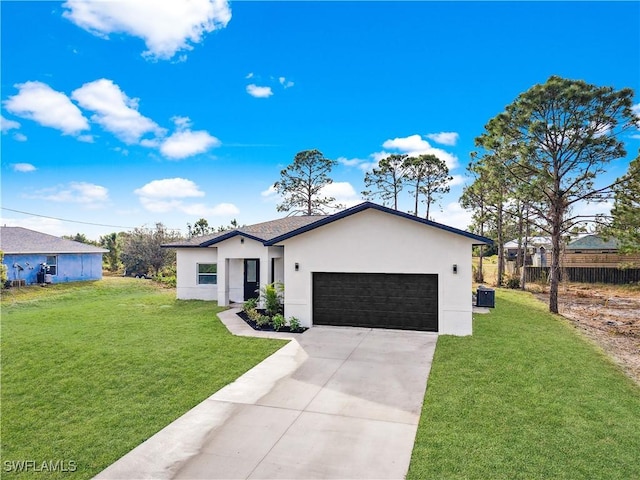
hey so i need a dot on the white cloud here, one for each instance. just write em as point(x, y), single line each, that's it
point(453, 215)
point(7, 124)
point(269, 192)
point(85, 138)
point(166, 26)
point(37, 101)
point(39, 224)
point(444, 138)
point(201, 210)
point(249, 75)
point(415, 145)
point(170, 188)
point(406, 144)
point(360, 163)
point(259, 92)
point(114, 111)
point(636, 109)
point(343, 192)
point(285, 83)
point(88, 195)
point(23, 167)
point(167, 195)
point(20, 137)
point(184, 143)
point(457, 180)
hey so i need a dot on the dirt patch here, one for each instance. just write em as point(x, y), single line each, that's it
point(609, 315)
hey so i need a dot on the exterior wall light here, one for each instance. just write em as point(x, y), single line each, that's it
point(297, 266)
point(455, 268)
point(241, 240)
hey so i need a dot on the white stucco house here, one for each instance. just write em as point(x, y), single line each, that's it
point(367, 266)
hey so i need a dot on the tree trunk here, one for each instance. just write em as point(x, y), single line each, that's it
point(521, 254)
point(556, 235)
point(523, 275)
point(428, 205)
point(500, 247)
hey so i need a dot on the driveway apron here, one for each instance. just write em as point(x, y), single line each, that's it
point(335, 402)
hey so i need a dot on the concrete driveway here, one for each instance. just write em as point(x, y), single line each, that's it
point(336, 402)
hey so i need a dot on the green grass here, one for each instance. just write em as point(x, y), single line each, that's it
point(526, 397)
point(91, 370)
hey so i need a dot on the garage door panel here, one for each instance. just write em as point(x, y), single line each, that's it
point(403, 301)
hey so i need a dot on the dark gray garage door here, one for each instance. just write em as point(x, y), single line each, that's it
point(382, 300)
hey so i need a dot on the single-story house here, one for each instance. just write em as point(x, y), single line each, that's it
point(367, 266)
point(596, 251)
point(538, 252)
point(29, 255)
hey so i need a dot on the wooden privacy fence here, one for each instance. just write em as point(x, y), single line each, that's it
point(617, 276)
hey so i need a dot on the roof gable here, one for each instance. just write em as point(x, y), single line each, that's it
point(366, 205)
point(261, 232)
point(18, 240)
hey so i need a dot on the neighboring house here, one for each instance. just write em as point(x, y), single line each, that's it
point(367, 266)
point(27, 251)
point(538, 252)
point(595, 251)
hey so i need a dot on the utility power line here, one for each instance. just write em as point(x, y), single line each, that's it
point(66, 220)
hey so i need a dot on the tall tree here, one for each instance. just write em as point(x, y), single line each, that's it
point(435, 179)
point(559, 137)
point(80, 237)
point(387, 180)
point(199, 228)
point(301, 184)
point(489, 194)
point(625, 221)
point(113, 243)
point(142, 251)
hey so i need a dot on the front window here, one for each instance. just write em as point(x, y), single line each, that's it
point(207, 274)
point(52, 263)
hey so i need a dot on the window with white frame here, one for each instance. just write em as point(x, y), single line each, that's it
point(207, 273)
point(52, 264)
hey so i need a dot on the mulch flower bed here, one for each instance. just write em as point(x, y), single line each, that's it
point(267, 328)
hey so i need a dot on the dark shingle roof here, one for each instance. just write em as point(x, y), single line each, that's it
point(263, 232)
point(364, 206)
point(275, 231)
point(593, 242)
point(17, 240)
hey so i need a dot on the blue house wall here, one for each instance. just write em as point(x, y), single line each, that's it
point(71, 267)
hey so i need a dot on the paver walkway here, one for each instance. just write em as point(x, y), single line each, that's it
point(336, 402)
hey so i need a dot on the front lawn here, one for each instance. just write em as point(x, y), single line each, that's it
point(526, 397)
point(90, 370)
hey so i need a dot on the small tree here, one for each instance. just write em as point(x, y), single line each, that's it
point(113, 243)
point(387, 180)
point(201, 227)
point(625, 215)
point(80, 237)
point(301, 184)
point(3, 270)
point(142, 250)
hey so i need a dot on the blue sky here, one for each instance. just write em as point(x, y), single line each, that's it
point(130, 113)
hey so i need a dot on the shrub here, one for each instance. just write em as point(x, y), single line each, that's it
point(513, 282)
point(250, 304)
point(278, 321)
point(263, 320)
point(294, 324)
point(271, 295)
point(253, 314)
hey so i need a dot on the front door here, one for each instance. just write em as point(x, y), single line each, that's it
point(251, 278)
